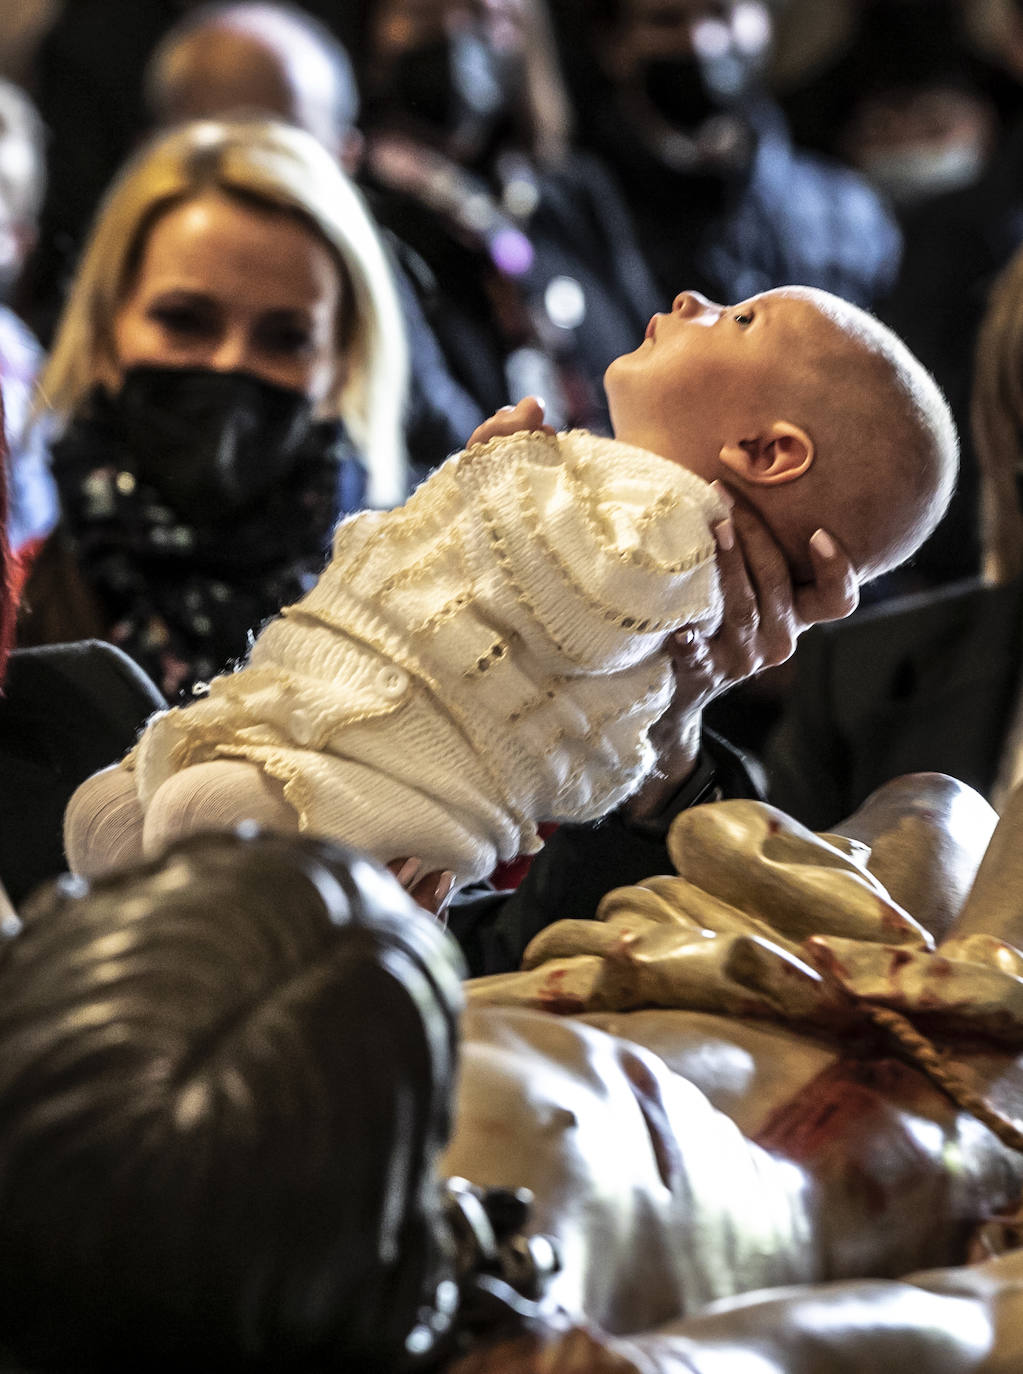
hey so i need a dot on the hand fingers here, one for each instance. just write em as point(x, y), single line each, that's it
point(735, 644)
point(432, 891)
point(531, 410)
point(527, 415)
point(769, 578)
point(762, 612)
point(406, 871)
point(693, 665)
point(782, 609)
point(834, 592)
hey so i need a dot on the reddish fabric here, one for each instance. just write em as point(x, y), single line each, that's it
point(511, 874)
point(20, 565)
point(8, 592)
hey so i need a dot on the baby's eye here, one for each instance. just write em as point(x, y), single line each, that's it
point(744, 318)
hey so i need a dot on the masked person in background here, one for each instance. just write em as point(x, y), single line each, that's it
point(670, 97)
point(249, 55)
point(231, 347)
point(528, 270)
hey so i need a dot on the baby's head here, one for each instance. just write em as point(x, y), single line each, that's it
point(808, 406)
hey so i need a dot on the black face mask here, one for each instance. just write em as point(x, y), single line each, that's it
point(210, 442)
point(457, 85)
point(686, 91)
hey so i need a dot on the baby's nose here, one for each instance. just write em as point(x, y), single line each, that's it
point(690, 304)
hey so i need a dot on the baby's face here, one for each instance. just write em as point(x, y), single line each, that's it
point(706, 373)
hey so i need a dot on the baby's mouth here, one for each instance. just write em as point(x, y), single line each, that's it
point(651, 329)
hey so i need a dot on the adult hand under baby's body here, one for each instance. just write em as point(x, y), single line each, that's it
point(430, 888)
point(764, 613)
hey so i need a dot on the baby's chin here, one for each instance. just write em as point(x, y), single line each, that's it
point(618, 370)
point(610, 377)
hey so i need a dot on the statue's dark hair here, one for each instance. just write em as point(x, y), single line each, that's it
point(224, 1081)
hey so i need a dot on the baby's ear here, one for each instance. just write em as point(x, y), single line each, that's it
point(781, 454)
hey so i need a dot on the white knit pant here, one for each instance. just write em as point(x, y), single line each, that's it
point(105, 827)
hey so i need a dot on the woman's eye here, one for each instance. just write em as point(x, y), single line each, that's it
point(287, 340)
point(177, 319)
point(744, 318)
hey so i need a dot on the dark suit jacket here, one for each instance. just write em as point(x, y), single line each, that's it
point(67, 710)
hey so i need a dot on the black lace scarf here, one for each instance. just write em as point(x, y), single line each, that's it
point(184, 599)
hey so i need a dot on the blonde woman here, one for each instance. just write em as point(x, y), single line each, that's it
point(232, 333)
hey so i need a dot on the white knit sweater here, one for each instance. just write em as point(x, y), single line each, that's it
point(486, 657)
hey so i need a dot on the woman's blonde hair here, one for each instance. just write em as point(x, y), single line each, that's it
point(273, 166)
point(997, 425)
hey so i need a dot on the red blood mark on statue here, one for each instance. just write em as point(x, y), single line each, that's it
point(823, 957)
point(852, 1126)
point(890, 920)
point(554, 998)
point(622, 947)
point(799, 1129)
point(899, 959)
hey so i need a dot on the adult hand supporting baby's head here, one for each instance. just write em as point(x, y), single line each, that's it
point(764, 613)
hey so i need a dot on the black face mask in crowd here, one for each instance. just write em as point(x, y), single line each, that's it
point(457, 85)
point(686, 91)
point(210, 442)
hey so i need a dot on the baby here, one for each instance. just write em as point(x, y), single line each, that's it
point(491, 654)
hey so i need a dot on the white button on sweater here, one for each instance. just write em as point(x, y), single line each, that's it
point(483, 658)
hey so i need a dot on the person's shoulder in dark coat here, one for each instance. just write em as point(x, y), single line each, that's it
point(67, 710)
